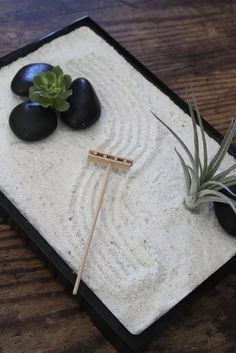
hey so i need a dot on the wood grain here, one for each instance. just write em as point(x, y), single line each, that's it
point(178, 40)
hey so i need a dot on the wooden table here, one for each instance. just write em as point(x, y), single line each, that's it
point(179, 41)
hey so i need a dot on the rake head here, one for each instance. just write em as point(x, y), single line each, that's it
point(105, 159)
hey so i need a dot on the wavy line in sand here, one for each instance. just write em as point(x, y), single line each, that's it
point(125, 143)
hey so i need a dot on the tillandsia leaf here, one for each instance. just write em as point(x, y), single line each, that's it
point(206, 199)
point(196, 141)
point(220, 186)
point(227, 139)
point(202, 183)
point(212, 184)
point(231, 180)
point(51, 89)
point(217, 160)
point(179, 139)
point(186, 172)
point(224, 173)
point(194, 181)
point(204, 145)
point(220, 195)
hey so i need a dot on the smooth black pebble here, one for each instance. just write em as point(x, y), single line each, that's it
point(225, 214)
point(31, 122)
point(23, 79)
point(85, 108)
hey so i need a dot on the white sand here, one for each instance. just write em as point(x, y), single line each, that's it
point(148, 252)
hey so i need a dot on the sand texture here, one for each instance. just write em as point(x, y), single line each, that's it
point(148, 251)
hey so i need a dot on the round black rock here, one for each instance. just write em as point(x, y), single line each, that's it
point(225, 214)
point(31, 122)
point(85, 108)
point(23, 79)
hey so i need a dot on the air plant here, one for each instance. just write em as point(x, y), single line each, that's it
point(51, 89)
point(202, 179)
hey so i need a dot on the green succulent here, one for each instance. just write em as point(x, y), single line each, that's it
point(51, 89)
point(203, 183)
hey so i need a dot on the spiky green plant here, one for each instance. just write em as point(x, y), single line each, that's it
point(203, 183)
point(51, 89)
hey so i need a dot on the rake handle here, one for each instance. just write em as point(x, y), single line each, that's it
point(88, 243)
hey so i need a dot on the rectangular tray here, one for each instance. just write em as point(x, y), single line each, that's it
point(103, 318)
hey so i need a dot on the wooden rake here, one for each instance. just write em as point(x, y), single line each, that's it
point(110, 162)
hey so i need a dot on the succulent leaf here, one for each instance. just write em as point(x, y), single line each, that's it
point(57, 71)
point(51, 89)
point(67, 81)
point(37, 81)
point(66, 94)
point(35, 96)
point(61, 105)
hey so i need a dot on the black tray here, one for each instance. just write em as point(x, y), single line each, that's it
point(102, 317)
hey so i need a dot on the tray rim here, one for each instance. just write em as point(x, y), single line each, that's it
point(108, 324)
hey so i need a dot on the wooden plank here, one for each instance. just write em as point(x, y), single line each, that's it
point(178, 41)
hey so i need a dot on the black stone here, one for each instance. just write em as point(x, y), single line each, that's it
point(225, 214)
point(85, 108)
point(23, 79)
point(31, 122)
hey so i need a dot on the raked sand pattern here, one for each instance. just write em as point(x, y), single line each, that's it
point(148, 251)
